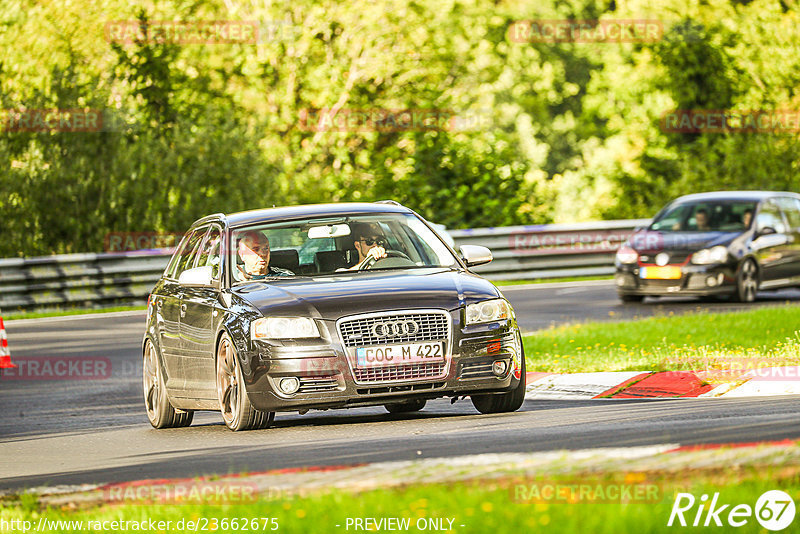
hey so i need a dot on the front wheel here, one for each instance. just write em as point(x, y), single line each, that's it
point(747, 281)
point(159, 410)
point(504, 402)
point(234, 404)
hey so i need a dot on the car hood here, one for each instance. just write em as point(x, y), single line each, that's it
point(649, 241)
point(332, 297)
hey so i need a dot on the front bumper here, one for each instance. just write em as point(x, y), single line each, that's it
point(695, 280)
point(327, 380)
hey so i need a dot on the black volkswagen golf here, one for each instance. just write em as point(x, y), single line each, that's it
point(325, 306)
point(721, 243)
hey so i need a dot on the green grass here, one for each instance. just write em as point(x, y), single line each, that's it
point(548, 280)
point(691, 341)
point(500, 505)
point(60, 313)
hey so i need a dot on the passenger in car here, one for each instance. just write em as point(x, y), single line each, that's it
point(254, 251)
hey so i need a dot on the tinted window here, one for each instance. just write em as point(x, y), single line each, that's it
point(189, 253)
point(210, 251)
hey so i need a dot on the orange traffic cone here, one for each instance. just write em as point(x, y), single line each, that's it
point(5, 355)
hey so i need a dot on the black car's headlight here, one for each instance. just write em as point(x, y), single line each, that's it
point(284, 328)
point(627, 255)
point(718, 254)
point(488, 311)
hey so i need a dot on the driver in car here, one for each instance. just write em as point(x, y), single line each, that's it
point(369, 242)
point(254, 252)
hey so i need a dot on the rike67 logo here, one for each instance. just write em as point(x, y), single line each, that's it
point(774, 510)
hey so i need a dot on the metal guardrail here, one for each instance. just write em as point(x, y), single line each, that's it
point(108, 279)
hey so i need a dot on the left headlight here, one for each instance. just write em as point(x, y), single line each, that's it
point(718, 254)
point(488, 311)
point(283, 328)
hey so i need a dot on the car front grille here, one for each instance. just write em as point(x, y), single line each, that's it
point(400, 372)
point(358, 332)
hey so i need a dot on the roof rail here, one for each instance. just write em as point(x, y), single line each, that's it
point(392, 202)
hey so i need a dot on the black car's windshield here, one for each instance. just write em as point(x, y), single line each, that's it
point(706, 216)
point(314, 247)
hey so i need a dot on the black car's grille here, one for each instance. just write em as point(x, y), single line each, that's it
point(400, 372)
point(358, 332)
point(674, 258)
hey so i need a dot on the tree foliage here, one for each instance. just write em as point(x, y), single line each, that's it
point(543, 131)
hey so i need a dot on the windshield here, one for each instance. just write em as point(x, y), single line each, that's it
point(706, 216)
point(314, 247)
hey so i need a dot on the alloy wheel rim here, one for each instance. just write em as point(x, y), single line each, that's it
point(150, 382)
point(227, 383)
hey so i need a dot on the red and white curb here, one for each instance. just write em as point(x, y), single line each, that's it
point(285, 483)
point(649, 384)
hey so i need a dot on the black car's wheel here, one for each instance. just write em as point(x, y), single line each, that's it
point(159, 410)
point(747, 281)
point(405, 407)
point(504, 402)
point(631, 298)
point(234, 404)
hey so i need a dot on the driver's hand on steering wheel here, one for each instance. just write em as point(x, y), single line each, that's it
point(374, 254)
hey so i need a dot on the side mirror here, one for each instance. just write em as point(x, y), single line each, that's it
point(475, 255)
point(198, 277)
point(767, 230)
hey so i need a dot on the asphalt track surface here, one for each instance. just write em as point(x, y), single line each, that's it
point(96, 431)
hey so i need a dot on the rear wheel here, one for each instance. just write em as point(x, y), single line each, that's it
point(234, 404)
point(504, 402)
point(747, 281)
point(159, 410)
point(406, 407)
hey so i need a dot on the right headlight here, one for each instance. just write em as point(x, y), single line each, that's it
point(626, 254)
point(488, 311)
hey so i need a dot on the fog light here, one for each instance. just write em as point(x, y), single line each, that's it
point(289, 385)
point(499, 368)
point(711, 281)
point(620, 280)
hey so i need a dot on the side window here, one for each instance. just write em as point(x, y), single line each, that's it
point(791, 208)
point(210, 251)
point(175, 259)
point(770, 216)
point(189, 252)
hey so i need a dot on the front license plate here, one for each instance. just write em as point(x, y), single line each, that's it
point(668, 272)
point(399, 354)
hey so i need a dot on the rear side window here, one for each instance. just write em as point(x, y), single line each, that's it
point(188, 252)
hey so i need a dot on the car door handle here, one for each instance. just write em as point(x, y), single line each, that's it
point(183, 310)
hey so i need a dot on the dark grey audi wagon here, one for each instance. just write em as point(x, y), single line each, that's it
point(325, 306)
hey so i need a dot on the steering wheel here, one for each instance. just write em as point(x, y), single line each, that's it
point(371, 261)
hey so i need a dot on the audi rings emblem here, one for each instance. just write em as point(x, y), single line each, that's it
point(395, 328)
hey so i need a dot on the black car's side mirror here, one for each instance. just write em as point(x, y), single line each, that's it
point(198, 277)
point(475, 255)
point(767, 230)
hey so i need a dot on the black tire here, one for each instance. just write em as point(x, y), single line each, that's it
point(631, 298)
point(234, 404)
point(746, 281)
point(503, 402)
point(160, 411)
point(414, 405)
